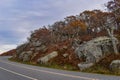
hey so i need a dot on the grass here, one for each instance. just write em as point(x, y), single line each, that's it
point(101, 70)
point(97, 68)
point(53, 65)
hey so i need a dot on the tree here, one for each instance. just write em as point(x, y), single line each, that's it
point(114, 7)
point(109, 25)
point(90, 19)
point(75, 27)
point(114, 20)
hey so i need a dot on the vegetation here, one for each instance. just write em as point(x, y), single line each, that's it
point(53, 65)
point(9, 53)
point(65, 36)
point(102, 67)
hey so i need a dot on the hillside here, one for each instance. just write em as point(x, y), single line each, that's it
point(78, 42)
point(9, 53)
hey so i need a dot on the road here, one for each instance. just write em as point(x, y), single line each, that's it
point(16, 71)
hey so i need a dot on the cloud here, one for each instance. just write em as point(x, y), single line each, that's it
point(7, 47)
point(6, 3)
point(19, 17)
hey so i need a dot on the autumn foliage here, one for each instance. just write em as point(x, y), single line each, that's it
point(61, 35)
point(9, 53)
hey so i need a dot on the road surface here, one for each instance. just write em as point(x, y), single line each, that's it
point(16, 71)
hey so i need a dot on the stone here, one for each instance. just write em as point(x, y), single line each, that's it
point(29, 53)
point(32, 49)
point(34, 39)
point(21, 48)
point(90, 58)
point(21, 55)
point(94, 50)
point(83, 66)
point(26, 58)
point(91, 52)
point(42, 48)
point(115, 66)
point(65, 55)
point(65, 47)
point(46, 58)
point(34, 55)
point(37, 43)
point(25, 55)
point(76, 43)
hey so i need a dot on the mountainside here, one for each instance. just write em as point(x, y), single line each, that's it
point(79, 41)
point(9, 53)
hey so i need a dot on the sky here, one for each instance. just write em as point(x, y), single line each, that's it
point(19, 17)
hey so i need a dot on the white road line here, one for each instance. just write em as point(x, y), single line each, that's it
point(18, 74)
point(55, 73)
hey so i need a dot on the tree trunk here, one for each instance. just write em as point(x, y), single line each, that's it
point(114, 43)
point(114, 46)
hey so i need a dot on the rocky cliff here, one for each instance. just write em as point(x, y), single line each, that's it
point(94, 50)
point(80, 41)
point(76, 53)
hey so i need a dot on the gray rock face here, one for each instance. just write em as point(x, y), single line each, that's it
point(42, 48)
point(37, 43)
point(34, 55)
point(115, 66)
point(84, 66)
point(29, 53)
point(21, 55)
point(94, 50)
point(64, 47)
point(76, 43)
point(32, 49)
point(21, 48)
point(46, 58)
point(65, 55)
point(25, 56)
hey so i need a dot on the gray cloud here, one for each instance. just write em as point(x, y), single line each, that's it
point(19, 17)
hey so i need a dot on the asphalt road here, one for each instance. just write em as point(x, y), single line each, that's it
point(16, 71)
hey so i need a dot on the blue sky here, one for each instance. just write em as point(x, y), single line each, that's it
point(19, 17)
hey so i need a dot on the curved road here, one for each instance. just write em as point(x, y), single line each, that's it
point(16, 71)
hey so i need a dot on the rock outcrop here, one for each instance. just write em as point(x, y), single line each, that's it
point(25, 56)
point(70, 42)
point(45, 59)
point(94, 50)
point(84, 66)
point(115, 66)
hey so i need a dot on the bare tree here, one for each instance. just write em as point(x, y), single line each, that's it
point(110, 27)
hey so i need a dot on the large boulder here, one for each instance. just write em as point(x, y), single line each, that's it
point(34, 55)
point(94, 50)
point(25, 56)
point(21, 48)
point(42, 48)
point(65, 55)
point(36, 43)
point(76, 43)
point(46, 58)
point(84, 66)
point(21, 56)
point(115, 66)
